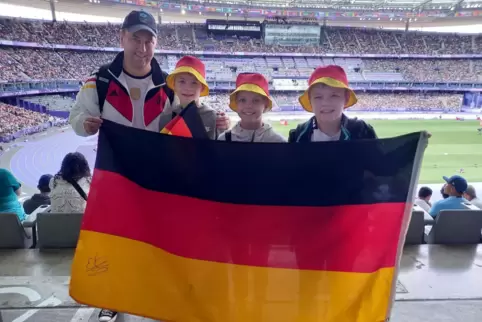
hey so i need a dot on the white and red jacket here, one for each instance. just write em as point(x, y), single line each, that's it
point(118, 105)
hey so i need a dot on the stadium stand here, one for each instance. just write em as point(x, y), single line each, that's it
point(287, 77)
point(195, 37)
point(13, 119)
point(19, 64)
point(22, 64)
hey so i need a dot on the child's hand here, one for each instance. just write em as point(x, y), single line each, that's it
point(223, 122)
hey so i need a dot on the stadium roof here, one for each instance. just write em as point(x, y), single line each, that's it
point(350, 4)
point(116, 10)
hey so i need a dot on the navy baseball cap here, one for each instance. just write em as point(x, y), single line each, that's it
point(44, 181)
point(140, 20)
point(458, 182)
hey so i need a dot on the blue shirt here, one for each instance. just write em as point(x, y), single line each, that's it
point(8, 198)
point(451, 203)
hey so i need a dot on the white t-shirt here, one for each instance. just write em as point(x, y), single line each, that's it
point(137, 88)
point(422, 204)
point(319, 136)
point(65, 199)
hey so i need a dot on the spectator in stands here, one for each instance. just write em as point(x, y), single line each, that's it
point(250, 100)
point(327, 96)
point(70, 185)
point(423, 199)
point(455, 187)
point(39, 199)
point(471, 196)
point(188, 81)
point(10, 190)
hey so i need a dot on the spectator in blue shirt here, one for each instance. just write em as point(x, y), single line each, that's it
point(455, 188)
point(9, 192)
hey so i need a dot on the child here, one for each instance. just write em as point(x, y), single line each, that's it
point(188, 81)
point(250, 100)
point(327, 96)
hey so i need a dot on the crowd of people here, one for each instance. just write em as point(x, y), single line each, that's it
point(22, 64)
point(14, 119)
point(191, 36)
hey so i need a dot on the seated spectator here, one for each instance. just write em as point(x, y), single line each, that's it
point(71, 185)
point(39, 199)
point(471, 196)
point(9, 192)
point(455, 188)
point(423, 199)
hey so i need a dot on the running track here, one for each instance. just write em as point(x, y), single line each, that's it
point(45, 155)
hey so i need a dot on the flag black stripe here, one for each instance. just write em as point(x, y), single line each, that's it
point(302, 174)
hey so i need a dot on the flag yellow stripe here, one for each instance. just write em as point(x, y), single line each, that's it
point(134, 277)
point(89, 86)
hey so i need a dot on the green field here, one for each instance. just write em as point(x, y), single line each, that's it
point(453, 145)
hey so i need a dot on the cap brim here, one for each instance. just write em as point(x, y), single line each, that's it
point(137, 28)
point(305, 98)
point(248, 88)
point(447, 179)
point(186, 69)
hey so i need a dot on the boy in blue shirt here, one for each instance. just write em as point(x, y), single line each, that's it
point(455, 188)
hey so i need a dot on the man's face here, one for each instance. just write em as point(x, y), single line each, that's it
point(250, 106)
point(449, 189)
point(327, 102)
point(138, 48)
point(187, 88)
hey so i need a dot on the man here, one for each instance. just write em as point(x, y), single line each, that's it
point(455, 188)
point(471, 196)
point(39, 199)
point(131, 90)
point(423, 200)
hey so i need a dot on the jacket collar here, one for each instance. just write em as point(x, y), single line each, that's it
point(308, 130)
point(117, 64)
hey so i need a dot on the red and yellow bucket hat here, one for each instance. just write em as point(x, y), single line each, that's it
point(250, 82)
point(331, 75)
point(193, 66)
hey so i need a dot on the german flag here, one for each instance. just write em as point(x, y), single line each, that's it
point(185, 230)
point(187, 123)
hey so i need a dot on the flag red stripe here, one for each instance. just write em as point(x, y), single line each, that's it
point(180, 128)
point(92, 79)
point(267, 236)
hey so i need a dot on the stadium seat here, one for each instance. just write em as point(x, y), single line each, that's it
point(415, 232)
point(12, 233)
point(58, 230)
point(456, 227)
